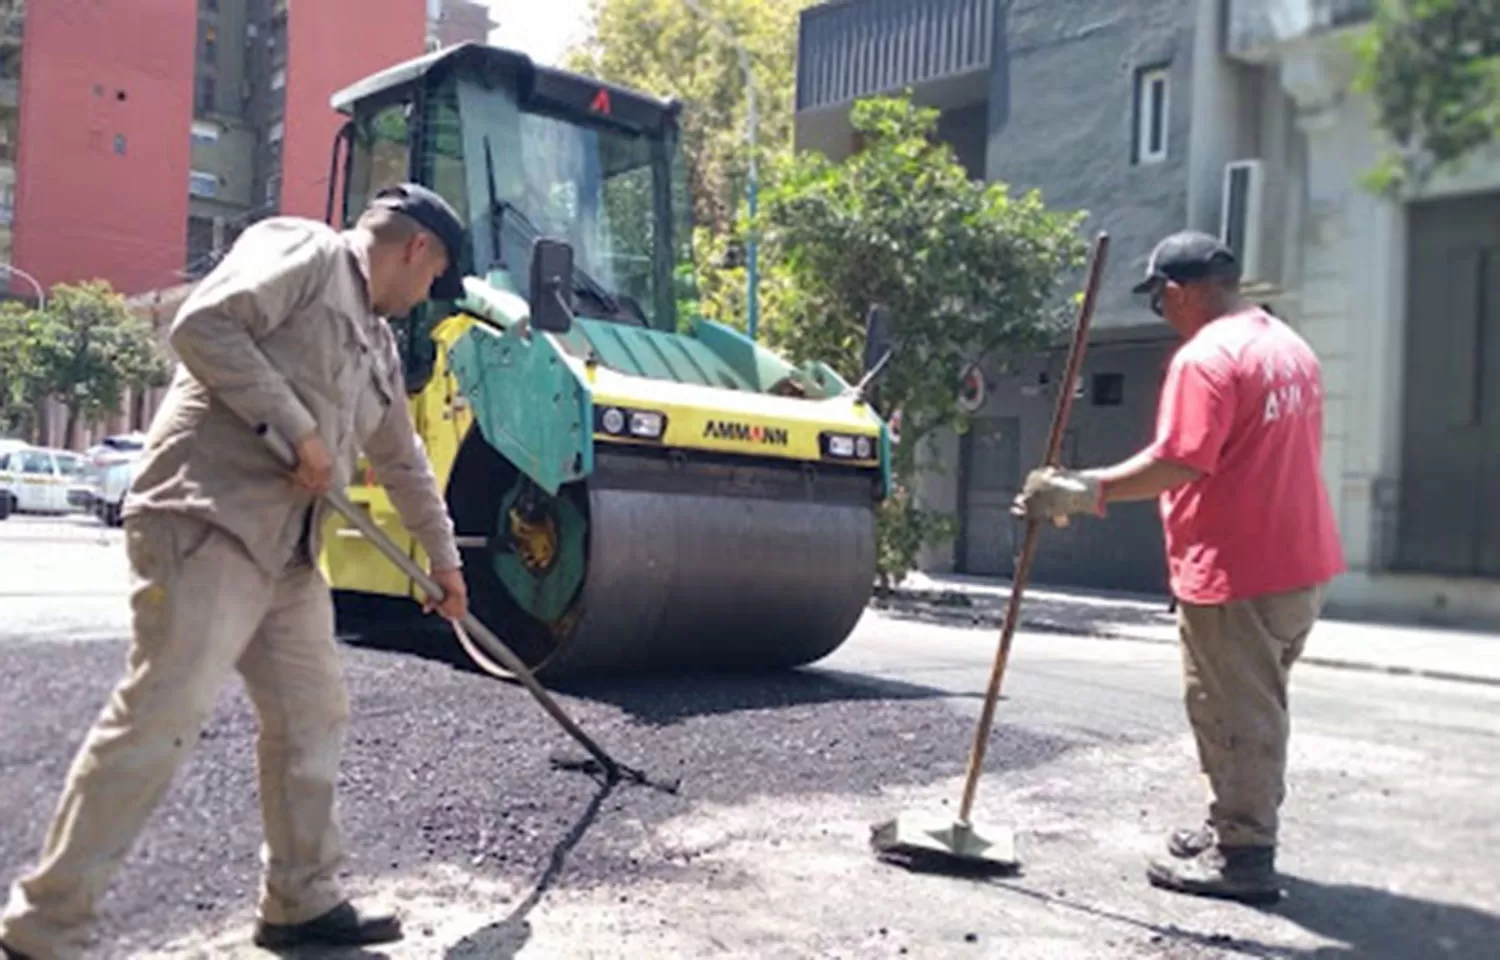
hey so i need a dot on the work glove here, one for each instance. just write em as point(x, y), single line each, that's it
point(1055, 494)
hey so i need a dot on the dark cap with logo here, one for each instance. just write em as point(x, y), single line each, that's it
point(433, 212)
point(1187, 256)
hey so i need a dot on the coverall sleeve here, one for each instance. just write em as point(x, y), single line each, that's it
point(273, 268)
point(400, 463)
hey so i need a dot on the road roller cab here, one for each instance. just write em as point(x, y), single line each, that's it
point(634, 488)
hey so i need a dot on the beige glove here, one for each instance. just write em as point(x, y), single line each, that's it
point(1056, 494)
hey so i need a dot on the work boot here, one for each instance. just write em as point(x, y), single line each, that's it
point(1187, 842)
point(10, 953)
point(343, 926)
point(1246, 874)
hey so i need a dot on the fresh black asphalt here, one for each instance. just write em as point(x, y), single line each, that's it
point(444, 765)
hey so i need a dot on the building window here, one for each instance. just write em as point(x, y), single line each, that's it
point(120, 144)
point(273, 190)
point(210, 45)
point(1152, 113)
point(205, 133)
point(277, 131)
point(278, 79)
point(202, 184)
point(1109, 389)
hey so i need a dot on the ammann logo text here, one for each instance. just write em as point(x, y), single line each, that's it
point(746, 433)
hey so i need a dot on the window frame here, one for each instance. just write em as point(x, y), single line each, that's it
point(1148, 119)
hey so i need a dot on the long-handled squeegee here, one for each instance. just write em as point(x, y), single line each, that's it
point(470, 626)
point(935, 842)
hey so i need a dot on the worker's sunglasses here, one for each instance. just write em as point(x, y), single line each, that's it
point(1155, 294)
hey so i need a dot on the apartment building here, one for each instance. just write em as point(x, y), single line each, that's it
point(262, 128)
point(12, 29)
point(451, 22)
point(145, 134)
point(1236, 117)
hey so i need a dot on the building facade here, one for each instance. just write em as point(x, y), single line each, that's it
point(1236, 117)
point(451, 22)
point(138, 137)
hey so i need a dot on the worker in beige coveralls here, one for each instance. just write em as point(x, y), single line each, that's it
point(287, 331)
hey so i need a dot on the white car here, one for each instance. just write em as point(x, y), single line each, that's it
point(112, 468)
point(38, 480)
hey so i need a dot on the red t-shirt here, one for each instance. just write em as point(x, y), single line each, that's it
point(1243, 402)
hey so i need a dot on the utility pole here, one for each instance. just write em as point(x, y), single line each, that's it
point(752, 188)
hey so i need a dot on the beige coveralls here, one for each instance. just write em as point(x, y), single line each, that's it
point(220, 545)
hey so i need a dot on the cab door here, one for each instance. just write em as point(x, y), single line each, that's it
point(37, 483)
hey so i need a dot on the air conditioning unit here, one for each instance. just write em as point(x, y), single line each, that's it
point(1244, 223)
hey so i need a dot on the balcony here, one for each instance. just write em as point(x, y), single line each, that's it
point(860, 48)
point(1256, 30)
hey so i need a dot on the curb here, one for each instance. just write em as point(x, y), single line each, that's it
point(978, 614)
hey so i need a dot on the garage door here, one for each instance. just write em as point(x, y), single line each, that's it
point(1450, 479)
point(990, 478)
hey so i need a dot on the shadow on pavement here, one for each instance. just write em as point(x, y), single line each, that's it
point(1076, 615)
point(1380, 923)
point(398, 627)
point(663, 701)
point(505, 938)
point(1367, 923)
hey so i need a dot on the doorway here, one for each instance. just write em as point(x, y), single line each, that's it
point(989, 479)
point(1449, 520)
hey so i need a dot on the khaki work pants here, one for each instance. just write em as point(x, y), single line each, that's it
point(201, 609)
point(1236, 660)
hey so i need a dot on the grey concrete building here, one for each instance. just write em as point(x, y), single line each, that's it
point(1089, 102)
point(1237, 117)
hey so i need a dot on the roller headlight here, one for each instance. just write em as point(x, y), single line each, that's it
point(613, 420)
point(627, 424)
point(845, 446)
point(647, 424)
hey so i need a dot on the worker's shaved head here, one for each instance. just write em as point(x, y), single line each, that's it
point(389, 226)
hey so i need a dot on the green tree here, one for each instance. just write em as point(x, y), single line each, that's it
point(664, 47)
point(90, 348)
point(970, 272)
point(1433, 69)
point(21, 386)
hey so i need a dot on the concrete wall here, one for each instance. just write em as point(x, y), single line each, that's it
point(102, 170)
point(329, 47)
point(1062, 119)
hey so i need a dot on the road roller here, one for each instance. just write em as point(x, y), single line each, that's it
point(635, 489)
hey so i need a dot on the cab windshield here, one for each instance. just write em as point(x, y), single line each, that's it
point(515, 174)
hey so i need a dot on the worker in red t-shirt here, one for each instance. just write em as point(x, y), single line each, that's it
point(1251, 545)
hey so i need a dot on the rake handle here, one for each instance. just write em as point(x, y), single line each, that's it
point(492, 644)
point(1033, 528)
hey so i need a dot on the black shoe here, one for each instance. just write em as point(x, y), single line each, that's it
point(343, 926)
point(12, 954)
point(1187, 843)
point(1246, 874)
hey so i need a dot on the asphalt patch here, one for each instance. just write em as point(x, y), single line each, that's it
point(443, 766)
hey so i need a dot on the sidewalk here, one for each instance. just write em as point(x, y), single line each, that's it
point(1383, 648)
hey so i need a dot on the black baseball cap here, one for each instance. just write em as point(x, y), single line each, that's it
point(1186, 256)
point(433, 212)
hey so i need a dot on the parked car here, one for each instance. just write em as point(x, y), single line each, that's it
point(37, 480)
point(112, 465)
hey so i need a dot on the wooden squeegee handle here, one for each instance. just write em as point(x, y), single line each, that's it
point(492, 644)
point(1028, 546)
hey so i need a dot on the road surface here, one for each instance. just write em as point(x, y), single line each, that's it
point(452, 812)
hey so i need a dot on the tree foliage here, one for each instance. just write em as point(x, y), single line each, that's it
point(970, 273)
point(21, 385)
point(664, 47)
point(88, 349)
point(1433, 68)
